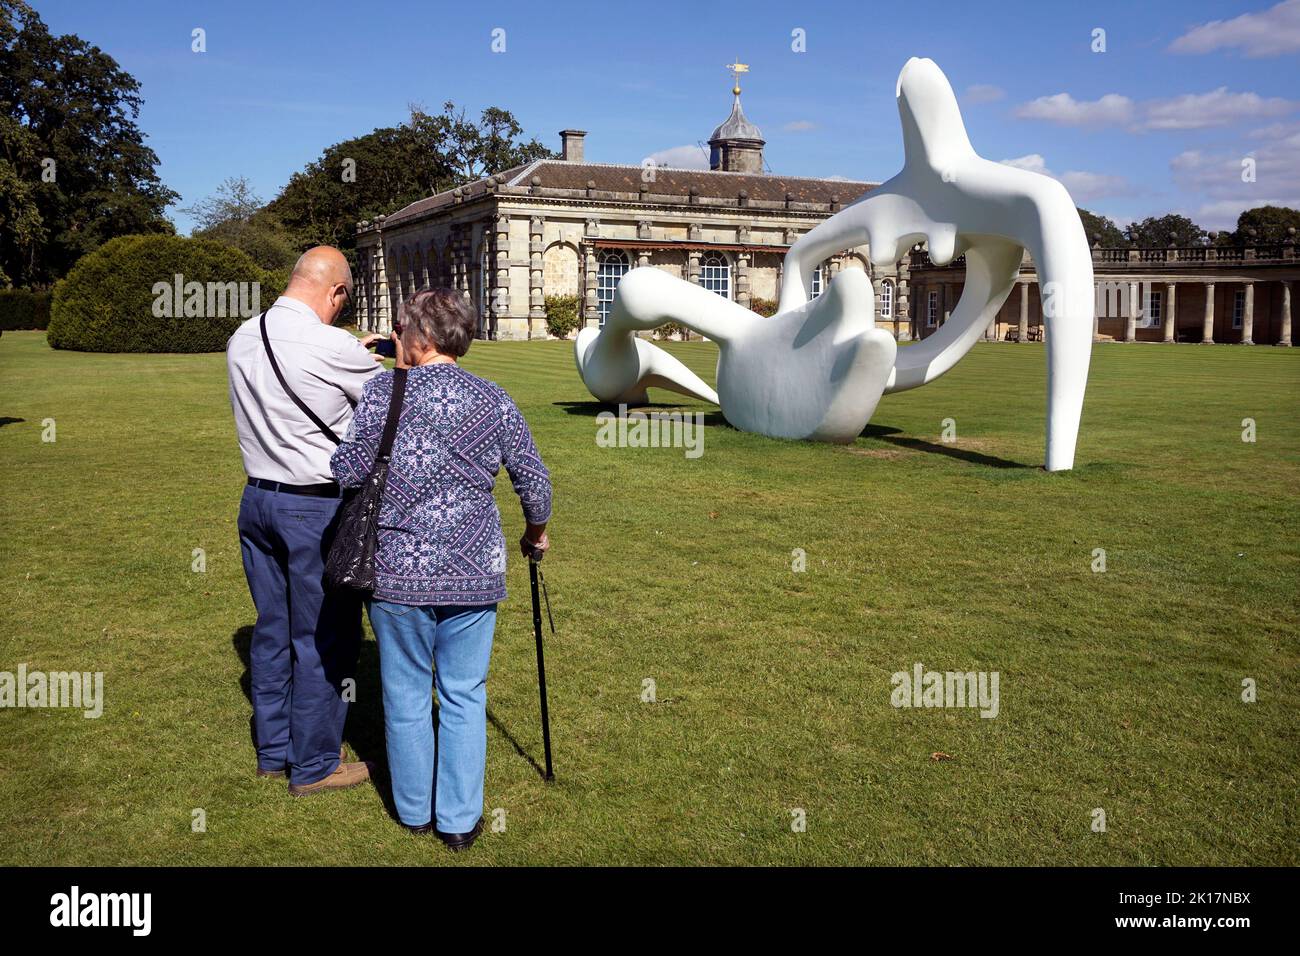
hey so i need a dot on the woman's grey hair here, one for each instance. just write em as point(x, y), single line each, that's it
point(441, 318)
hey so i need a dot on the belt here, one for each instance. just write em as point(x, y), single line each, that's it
point(328, 489)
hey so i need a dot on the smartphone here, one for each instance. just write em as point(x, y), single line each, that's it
point(387, 348)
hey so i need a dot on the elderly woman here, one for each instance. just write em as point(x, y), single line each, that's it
point(441, 559)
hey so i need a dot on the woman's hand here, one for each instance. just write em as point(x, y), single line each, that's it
point(402, 361)
point(531, 544)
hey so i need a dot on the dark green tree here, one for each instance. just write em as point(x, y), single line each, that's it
point(1270, 224)
point(1101, 229)
point(391, 167)
point(1160, 232)
point(70, 146)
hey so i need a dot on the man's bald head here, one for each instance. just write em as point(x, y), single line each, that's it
point(322, 279)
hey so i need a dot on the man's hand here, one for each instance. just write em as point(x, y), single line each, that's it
point(531, 545)
point(368, 340)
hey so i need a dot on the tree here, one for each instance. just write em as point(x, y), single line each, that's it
point(234, 216)
point(1101, 229)
point(391, 167)
point(69, 137)
point(1170, 229)
point(1270, 224)
point(235, 201)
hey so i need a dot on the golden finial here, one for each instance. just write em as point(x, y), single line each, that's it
point(736, 69)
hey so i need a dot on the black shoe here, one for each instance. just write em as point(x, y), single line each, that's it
point(461, 841)
point(424, 829)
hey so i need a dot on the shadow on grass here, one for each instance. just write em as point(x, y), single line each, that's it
point(894, 436)
point(364, 731)
point(5, 420)
point(592, 409)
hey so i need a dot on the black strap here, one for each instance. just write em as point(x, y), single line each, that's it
point(394, 412)
point(275, 367)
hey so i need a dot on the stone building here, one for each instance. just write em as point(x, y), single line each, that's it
point(1203, 294)
point(568, 227)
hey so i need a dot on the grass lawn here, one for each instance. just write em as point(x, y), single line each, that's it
point(1119, 690)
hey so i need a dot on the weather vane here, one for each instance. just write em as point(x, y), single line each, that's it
point(736, 69)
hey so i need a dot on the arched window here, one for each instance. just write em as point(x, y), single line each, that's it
point(715, 274)
point(887, 300)
point(611, 265)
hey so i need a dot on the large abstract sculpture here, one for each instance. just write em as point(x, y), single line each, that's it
point(818, 369)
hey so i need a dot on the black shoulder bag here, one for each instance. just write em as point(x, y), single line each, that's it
point(275, 367)
point(351, 560)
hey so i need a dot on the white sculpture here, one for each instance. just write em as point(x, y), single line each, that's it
point(817, 369)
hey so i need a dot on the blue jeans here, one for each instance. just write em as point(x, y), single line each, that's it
point(449, 646)
point(306, 639)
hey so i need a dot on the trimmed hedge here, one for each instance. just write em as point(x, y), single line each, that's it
point(561, 315)
point(24, 309)
point(124, 296)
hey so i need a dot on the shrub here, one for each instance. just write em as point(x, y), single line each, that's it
point(121, 297)
point(561, 315)
point(766, 307)
point(24, 309)
point(669, 329)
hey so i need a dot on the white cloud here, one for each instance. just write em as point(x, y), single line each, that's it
point(799, 126)
point(1216, 108)
point(1217, 177)
point(1083, 186)
point(681, 157)
point(983, 93)
point(1219, 107)
point(1270, 33)
point(1065, 109)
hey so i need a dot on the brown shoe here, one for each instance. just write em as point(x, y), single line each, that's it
point(343, 755)
point(345, 776)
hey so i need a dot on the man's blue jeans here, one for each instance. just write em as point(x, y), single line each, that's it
point(306, 640)
point(418, 647)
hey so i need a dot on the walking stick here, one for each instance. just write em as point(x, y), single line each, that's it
point(534, 574)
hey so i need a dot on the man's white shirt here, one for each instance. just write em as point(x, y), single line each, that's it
point(325, 366)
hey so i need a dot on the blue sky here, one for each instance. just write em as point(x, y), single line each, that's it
point(1160, 121)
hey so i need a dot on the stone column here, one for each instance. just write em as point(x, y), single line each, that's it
point(536, 294)
point(499, 289)
point(1286, 313)
point(589, 314)
point(1130, 321)
point(383, 316)
point(1248, 319)
point(903, 290)
point(1022, 327)
point(742, 279)
point(1171, 311)
point(1207, 326)
point(693, 266)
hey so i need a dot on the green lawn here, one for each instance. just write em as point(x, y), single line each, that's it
point(1118, 690)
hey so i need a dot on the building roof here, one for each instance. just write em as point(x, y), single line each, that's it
point(737, 126)
point(555, 178)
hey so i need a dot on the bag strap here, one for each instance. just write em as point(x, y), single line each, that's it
point(394, 412)
point(275, 367)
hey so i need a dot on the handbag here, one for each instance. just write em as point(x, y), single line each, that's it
point(351, 560)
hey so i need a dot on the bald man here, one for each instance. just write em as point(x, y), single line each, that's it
point(306, 640)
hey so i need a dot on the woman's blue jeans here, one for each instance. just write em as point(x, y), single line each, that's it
point(418, 647)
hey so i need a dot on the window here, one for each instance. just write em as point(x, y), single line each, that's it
point(715, 274)
point(610, 267)
point(1154, 314)
point(817, 282)
point(1238, 308)
point(887, 300)
point(932, 310)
